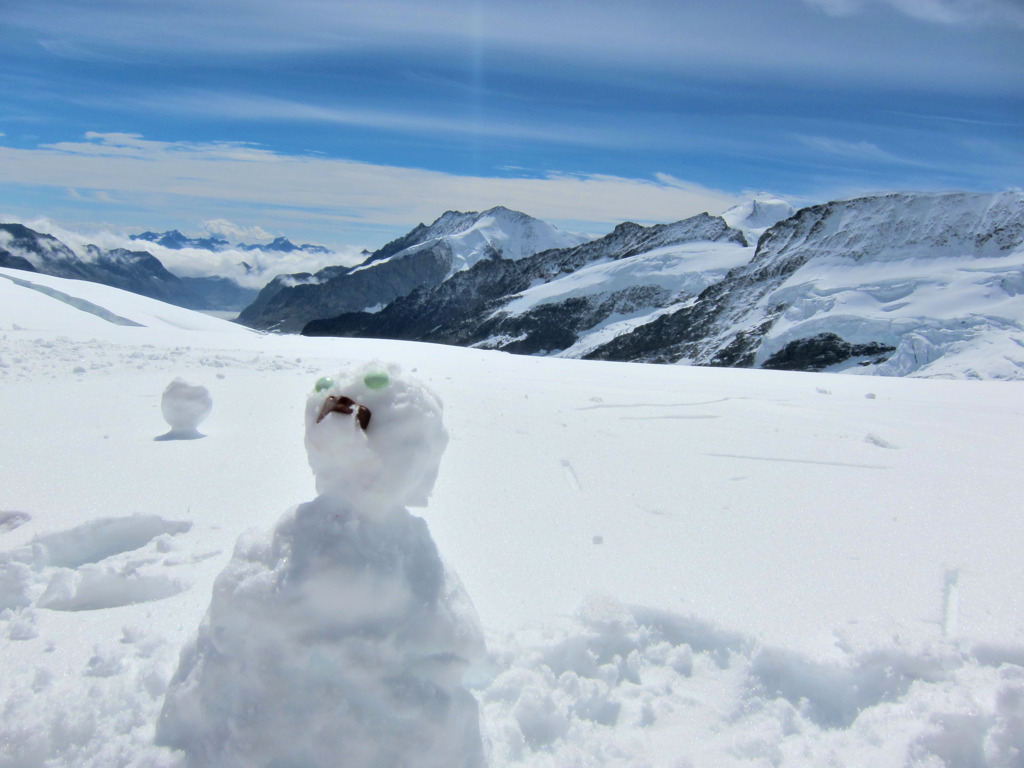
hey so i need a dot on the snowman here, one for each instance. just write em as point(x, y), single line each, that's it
point(341, 640)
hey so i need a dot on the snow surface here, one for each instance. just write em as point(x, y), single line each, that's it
point(673, 566)
point(944, 316)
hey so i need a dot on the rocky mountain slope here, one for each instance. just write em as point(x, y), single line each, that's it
point(425, 257)
point(136, 271)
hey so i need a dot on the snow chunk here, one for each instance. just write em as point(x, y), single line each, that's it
point(104, 537)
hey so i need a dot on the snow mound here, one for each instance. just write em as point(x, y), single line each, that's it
point(341, 640)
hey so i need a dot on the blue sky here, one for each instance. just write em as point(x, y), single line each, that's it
point(346, 123)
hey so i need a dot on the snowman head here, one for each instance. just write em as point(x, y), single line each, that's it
point(374, 437)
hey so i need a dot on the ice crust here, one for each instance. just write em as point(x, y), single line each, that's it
point(340, 640)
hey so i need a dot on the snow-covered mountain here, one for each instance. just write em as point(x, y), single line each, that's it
point(131, 270)
point(756, 215)
point(547, 302)
point(897, 284)
point(922, 284)
point(425, 257)
point(177, 241)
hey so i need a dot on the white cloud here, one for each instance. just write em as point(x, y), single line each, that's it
point(165, 176)
point(234, 232)
point(195, 262)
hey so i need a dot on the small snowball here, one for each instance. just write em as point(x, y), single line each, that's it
point(185, 405)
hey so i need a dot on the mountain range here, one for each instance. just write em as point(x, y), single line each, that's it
point(897, 284)
point(140, 271)
point(137, 271)
point(176, 241)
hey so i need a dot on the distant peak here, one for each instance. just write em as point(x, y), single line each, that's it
point(501, 210)
point(761, 211)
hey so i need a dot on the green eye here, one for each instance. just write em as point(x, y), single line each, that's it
point(324, 382)
point(376, 380)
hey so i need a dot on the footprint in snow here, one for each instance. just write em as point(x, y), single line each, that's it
point(94, 565)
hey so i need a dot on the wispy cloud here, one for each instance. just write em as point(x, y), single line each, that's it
point(964, 12)
point(250, 109)
point(724, 38)
point(854, 150)
point(164, 176)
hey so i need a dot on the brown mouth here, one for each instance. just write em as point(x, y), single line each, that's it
point(347, 406)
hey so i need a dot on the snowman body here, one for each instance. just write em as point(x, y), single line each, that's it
point(341, 640)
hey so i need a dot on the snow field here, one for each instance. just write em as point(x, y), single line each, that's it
point(673, 566)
